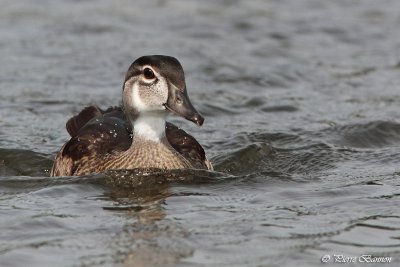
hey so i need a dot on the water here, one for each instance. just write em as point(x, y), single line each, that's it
point(302, 107)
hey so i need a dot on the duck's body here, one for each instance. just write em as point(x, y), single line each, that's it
point(136, 136)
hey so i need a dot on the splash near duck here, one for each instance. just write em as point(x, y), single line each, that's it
point(136, 135)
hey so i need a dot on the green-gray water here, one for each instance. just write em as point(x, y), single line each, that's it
point(302, 107)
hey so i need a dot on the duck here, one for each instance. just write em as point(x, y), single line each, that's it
point(136, 134)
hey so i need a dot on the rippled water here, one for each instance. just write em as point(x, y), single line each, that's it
point(302, 107)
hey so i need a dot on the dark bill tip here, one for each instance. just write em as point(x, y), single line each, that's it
point(198, 119)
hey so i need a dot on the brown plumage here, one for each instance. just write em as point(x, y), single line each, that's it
point(105, 140)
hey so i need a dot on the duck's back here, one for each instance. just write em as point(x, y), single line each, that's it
point(97, 134)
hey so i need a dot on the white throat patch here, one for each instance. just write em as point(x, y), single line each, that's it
point(150, 127)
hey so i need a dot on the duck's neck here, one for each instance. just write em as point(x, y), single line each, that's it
point(150, 147)
point(150, 126)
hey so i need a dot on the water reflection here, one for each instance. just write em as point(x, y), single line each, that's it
point(143, 203)
point(140, 197)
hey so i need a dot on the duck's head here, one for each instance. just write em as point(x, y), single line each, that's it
point(156, 84)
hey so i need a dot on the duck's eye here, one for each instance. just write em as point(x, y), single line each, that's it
point(148, 74)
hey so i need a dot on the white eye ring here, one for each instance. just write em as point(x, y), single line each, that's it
point(148, 73)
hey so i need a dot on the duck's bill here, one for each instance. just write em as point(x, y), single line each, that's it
point(178, 102)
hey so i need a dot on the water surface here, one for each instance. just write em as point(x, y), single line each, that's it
point(302, 107)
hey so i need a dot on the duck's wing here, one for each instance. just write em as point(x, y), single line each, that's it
point(94, 133)
point(187, 146)
point(76, 123)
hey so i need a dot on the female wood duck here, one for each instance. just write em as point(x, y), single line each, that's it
point(136, 135)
